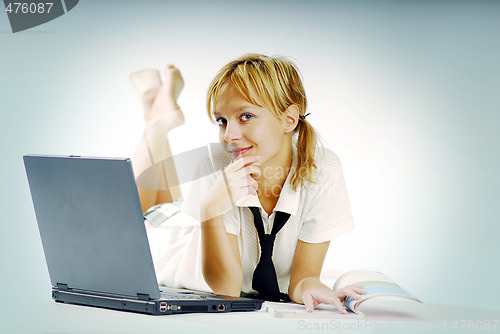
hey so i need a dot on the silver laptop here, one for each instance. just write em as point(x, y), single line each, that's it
point(95, 243)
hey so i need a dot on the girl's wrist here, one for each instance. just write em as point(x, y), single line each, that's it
point(207, 211)
point(308, 280)
point(204, 212)
point(299, 288)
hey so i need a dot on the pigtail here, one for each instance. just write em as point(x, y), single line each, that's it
point(306, 150)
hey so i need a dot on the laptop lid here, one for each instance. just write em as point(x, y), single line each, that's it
point(91, 225)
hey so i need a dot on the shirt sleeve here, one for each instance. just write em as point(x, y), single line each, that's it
point(206, 176)
point(231, 221)
point(191, 204)
point(328, 215)
point(202, 180)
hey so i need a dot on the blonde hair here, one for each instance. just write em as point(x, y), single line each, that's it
point(278, 85)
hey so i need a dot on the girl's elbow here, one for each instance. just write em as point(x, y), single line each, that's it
point(231, 289)
point(227, 291)
point(227, 285)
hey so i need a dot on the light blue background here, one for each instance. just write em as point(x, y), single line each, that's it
point(406, 92)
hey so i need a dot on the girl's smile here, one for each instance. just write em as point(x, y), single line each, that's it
point(236, 152)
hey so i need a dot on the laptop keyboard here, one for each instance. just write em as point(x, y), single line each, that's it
point(181, 295)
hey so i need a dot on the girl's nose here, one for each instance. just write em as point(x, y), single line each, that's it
point(233, 132)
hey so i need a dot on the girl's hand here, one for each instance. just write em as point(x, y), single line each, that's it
point(314, 293)
point(235, 181)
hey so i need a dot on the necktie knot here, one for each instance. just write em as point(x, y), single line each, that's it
point(267, 245)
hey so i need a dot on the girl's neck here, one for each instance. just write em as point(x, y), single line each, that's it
point(272, 179)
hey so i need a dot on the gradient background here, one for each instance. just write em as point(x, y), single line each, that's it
point(407, 93)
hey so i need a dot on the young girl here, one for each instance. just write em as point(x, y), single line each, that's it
point(262, 222)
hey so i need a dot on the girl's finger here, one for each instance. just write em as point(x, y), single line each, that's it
point(358, 288)
point(253, 171)
point(252, 183)
point(251, 191)
point(245, 173)
point(339, 306)
point(351, 293)
point(244, 161)
point(308, 302)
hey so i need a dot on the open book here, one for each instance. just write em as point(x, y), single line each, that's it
point(375, 283)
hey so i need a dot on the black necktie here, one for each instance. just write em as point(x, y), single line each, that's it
point(265, 281)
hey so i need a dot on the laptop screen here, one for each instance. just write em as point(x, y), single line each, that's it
point(91, 224)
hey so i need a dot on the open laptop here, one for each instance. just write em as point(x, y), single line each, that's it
point(95, 242)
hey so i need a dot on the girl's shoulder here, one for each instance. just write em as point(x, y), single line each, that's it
point(327, 178)
point(328, 165)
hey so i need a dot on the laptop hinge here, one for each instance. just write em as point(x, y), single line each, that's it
point(62, 286)
point(143, 296)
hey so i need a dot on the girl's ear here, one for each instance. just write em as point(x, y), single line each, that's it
point(291, 118)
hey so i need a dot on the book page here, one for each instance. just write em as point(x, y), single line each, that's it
point(353, 277)
point(376, 284)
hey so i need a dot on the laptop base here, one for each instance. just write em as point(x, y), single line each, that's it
point(156, 307)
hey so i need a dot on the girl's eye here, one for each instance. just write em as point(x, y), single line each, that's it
point(246, 117)
point(220, 121)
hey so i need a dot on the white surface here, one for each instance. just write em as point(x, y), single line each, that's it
point(50, 317)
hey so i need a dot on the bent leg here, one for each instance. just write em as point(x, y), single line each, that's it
point(155, 173)
point(176, 250)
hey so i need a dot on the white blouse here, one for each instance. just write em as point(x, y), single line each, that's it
point(320, 212)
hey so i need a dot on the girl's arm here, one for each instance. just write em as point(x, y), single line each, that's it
point(221, 263)
point(305, 286)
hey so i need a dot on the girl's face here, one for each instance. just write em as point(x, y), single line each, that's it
point(248, 129)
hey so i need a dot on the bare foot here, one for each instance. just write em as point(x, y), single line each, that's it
point(147, 84)
point(165, 102)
